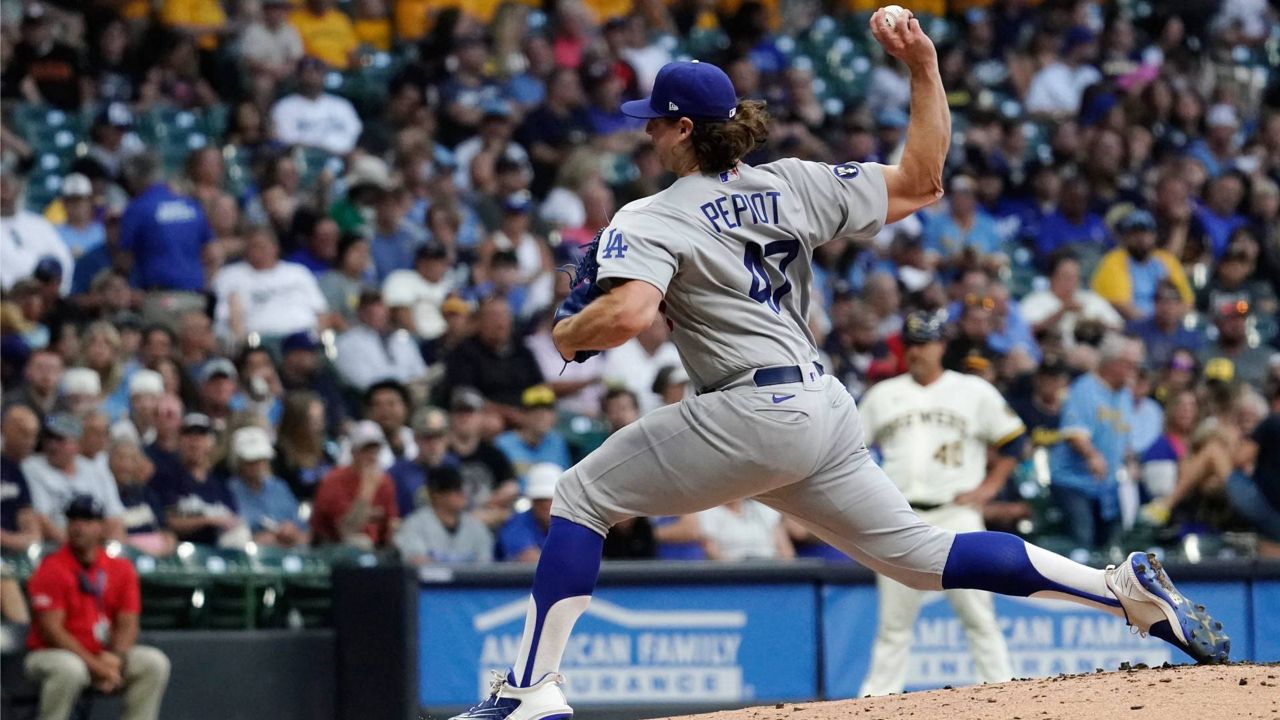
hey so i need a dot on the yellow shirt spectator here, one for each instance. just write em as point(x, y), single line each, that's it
point(413, 18)
point(605, 10)
point(1113, 279)
point(928, 7)
point(329, 36)
point(772, 10)
point(195, 16)
point(374, 33)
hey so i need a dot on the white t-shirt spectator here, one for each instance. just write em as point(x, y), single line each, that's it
point(261, 44)
point(52, 490)
point(630, 366)
point(25, 237)
point(750, 533)
point(422, 538)
point(1058, 87)
point(280, 300)
point(407, 288)
point(365, 357)
point(328, 122)
point(1039, 305)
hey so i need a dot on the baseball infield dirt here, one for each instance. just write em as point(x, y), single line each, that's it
point(1229, 692)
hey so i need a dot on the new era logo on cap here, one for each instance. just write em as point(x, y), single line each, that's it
point(699, 91)
point(672, 107)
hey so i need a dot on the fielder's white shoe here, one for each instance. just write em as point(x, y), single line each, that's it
point(1153, 605)
point(543, 700)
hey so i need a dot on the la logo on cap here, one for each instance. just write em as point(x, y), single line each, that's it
point(672, 107)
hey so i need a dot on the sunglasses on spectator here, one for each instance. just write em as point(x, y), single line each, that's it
point(972, 300)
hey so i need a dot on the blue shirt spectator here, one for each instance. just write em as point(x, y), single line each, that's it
point(1057, 230)
point(1164, 331)
point(523, 532)
point(676, 550)
point(1015, 333)
point(946, 235)
point(166, 233)
point(410, 478)
point(395, 249)
point(263, 501)
point(1217, 228)
point(265, 505)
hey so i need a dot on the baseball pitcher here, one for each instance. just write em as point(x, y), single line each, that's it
point(724, 253)
point(933, 427)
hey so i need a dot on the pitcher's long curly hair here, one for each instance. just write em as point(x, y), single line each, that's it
point(718, 146)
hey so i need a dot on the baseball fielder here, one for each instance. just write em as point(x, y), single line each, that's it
point(724, 253)
point(933, 427)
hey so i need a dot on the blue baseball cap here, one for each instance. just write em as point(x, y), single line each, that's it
point(696, 90)
point(1136, 219)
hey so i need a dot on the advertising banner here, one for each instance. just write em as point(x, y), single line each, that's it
point(1045, 637)
point(634, 645)
point(1266, 621)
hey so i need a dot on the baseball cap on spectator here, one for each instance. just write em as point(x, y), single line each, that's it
point(1053, 367)
point(367, 171)
point(1136, 219)
point(466, 398)
point(1076, 37)
point(365, 433)
point(1220, 369)
point(454, 304)
point(63, 425)
point(430, 422)
point(497, 109)
point(47, 268)
point(311, 62)
point(891, 117)
point(303, 340)
point(196, 423)
point(218, 367)
point(518, 202)
point(444, 479)
point(76, 185)
point(921, 327)
point(34, 13)
point(963, 183)
point(538, 396)
point(146, 382)
point(84, 507)
point(252, 443)
point(116, 115)
point(540, 481)
point(696, 90)
point(431, 250)
point(81, 381)
point(1222, 115)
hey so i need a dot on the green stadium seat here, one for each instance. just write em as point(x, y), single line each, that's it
point(173, 599)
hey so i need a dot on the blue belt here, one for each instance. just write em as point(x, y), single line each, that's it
point(781, 375)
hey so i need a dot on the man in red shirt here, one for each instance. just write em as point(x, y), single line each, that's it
point(85, 631)
point(356, 504)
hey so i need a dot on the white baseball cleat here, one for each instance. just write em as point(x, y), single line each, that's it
point(1153, 605)
point(543, 700)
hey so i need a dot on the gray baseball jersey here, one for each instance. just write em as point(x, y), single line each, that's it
point(732, 255)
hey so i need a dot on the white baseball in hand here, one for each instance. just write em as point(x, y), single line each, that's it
point(892, 13)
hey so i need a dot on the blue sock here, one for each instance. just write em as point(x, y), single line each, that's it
point(1005, 564)
point(562, 587)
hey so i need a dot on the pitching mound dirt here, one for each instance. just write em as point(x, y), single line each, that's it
point(1228, 692)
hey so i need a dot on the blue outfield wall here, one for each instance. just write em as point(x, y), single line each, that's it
point(678, 634)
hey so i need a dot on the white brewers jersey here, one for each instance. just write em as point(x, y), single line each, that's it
point(731, 254)
point(933, 438)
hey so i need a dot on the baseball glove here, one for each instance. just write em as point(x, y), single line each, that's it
point(583, 289)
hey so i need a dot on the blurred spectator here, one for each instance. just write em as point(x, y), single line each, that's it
point(577, 386)
point(343, 285)
point(487, 475)
point(1071, 226)
point(552, 130)
point(744, 530)
point(1088, 464)
point(963, 227)
point(396, 239)
point(1165, 331)
point(319, 238)
point(415, 295)
point(312, 117)
point(441, 531)
point(196, 341)
point(412, 476)
point(1148, 415)
point(146, 387)
point(264, 295)
point(1010, 333)
point(303, 454)
point(143, 509)
point(302, 367)
point(263, 500)
point(58, 473)
point(198, 505)
point(1160, 461)
point(26, 238)
point(270, 47)
point(1057, 88)
point(86, 606)
point(94, 437)
point(373, 350)
point(356, 504)
point(521, 538)
point(635, 364)
point(216, 388)
point(81, 390)
point(81, 232)
point(1217, 150)
point(1218, 218)
point(39, 391)
point(1256, 497)
point(19, 524)
point(1249, 361)
point(112, 139)
point(1064, 303)
point(492, 361)
point(1235, 277)
point(1041, 409)
point(535, 440)
point(43, 69)
point(164, 235)
point(1128, 276)
point(327, 33)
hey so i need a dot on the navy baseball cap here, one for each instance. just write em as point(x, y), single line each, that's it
point(48, 268)
point(921, 327)
point(696, 90)
point(1137, 219)
point(302, 340)
point(84, 507)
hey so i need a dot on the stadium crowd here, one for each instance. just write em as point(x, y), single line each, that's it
point(282, 271)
